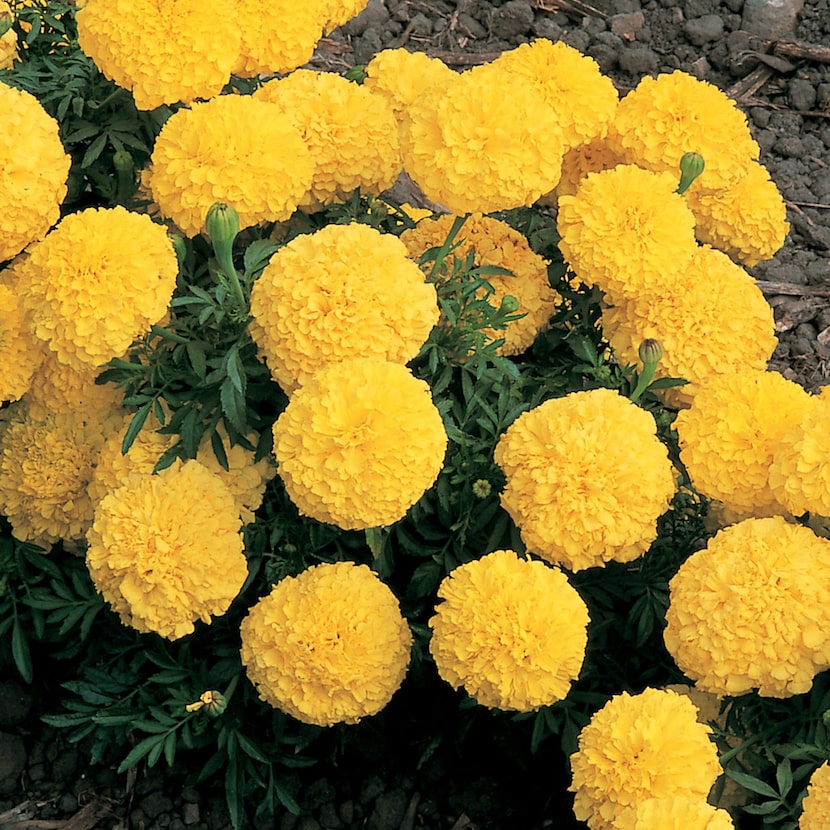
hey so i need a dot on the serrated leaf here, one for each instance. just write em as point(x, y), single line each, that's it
point(250, 749)
point(196, 356)
point(236, 370)
point(137, 422)
point(233, 405)
point(753, 784)
point(142, 748)
point(20, 651)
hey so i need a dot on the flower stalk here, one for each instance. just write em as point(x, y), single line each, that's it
point(222, 226)
point(650, 353)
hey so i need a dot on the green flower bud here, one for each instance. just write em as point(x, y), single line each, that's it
point(650, 351)
point(509, 304)
point(222, 223)
point(482, 488)
point(123, 161)
point(213, 702)
point(691, 166)
point(5, 22)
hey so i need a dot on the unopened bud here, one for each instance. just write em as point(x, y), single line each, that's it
point(213, 702)
point(222, 223)
point(6, 18)
point(482, 488)
point(509, 304)
point(123, 161)
point(650, 351)
point(691, 166)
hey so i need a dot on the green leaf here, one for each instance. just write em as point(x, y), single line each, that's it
point(233, 794)
point(236, 370)
point(784, 777)
point(250, 749)
point(94, 150)
point(286, 799)
point(134, 428)
point(142, 748)
point(233, 405)
point(196, 355)
point(753, 784)
point(170, 749)
point(20, 651)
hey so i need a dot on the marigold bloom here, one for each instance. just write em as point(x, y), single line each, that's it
point(8, 40)
point(511, 631)
point(98, 280)
point(799, 475)
point(587, 478)
point(202, 156)
point(20, 353)
point(351, 134)
point(748, 220)
point(34, 171)
point(402, 77)
point(342, 11)
point(640, 747)
point(163, 51)
point(343, 292)
point(816, 806)
point(277, 36)
point(483, 142)
point(747, 612)
point(678, 813)
point(729, 435)
point(165, 550)
point(627, 231)
point(665, 117)
point(570, 83)
point(591, 157)
point(359, 443)
point(46, 462)
point(328, 646)
point(496, 243)
point(696, 324)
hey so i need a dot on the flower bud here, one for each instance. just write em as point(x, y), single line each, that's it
point(6, 18)
point(213, 702)
point(123, 161)
point(650, 351)
point(509, 304)
point(222, 223)
point(482, 488)
point(691, 166)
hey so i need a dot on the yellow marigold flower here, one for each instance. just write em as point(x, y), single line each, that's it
point(20, 353)
point(34, 172)
point(328, 646)
point(403, 77)
point(627, 231)
point(351, 134)
point(339, 12)
point(747, 612)
point(587, 478)
point(277, 36)
point(816, 806)
point(511, 631)
point(747, 220)
point(496, 243)
point(359, 444)
point(96, 282)
point(593, 156)
point(799, 475)
point(677, 813)
point(46, 462)
point(203, 155)
point(163, 51)
point(730, 433)
point(696, 324)
point(8, 40)
point(166, 550)
point(665, 117)
point(640, 747)
point(484, 142)
point(343, 292)
point(570, 83)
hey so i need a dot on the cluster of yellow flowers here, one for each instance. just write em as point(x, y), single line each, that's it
point(327, 646)
point(638, 748)
point(587, 478)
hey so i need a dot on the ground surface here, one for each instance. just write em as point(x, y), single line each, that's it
point(46, 785)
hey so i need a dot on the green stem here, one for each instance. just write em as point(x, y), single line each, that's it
point(643, 380)
point(442, 252)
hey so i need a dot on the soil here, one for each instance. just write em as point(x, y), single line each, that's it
point(46, 784)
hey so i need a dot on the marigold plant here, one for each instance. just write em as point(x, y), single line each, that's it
point(747, 612)
point(327, 646)
point(511, 631)
point(637, 748)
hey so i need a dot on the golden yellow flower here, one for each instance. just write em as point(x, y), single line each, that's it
point(640, 747)
point(8, 40)
point(587, 478)
point(34, 172)
point(591, 157)
point(344, 292)
point(747, 612)
point(816, 806)
point(339, 12)
point(696, 324)
point(20, 353)
point(627, 231)
point(747, 220)
point(730, 433)
point(46, 463)
point(665, 117)
point(799, 475)
point(96, 282)
point(482, 142)
point(277, 36)
point(402, 77)
point(570, 83)
point(496, 243)
point(328, 646)
point(677, 813)
point(359, 443)
point(204, 155)
point(351, 134)
point(166, 550)
point(163, 51)
point(511, 631)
